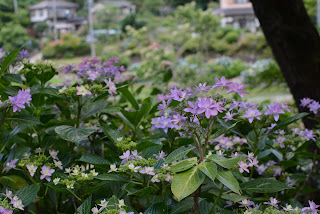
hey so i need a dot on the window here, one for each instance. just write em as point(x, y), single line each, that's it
point(241, 1)
point(40, 12)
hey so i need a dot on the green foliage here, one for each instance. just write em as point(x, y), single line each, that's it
point(69, 44)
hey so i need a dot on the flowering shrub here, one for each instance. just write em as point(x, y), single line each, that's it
point(93, 145)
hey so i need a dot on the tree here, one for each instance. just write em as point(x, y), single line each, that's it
point(295, 44)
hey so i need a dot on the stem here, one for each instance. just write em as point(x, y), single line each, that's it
point(251, 173)
point(196, 201)
point(79, 113)
point(216, 201)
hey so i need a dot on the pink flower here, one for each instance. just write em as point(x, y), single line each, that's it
point(243, 167)
point(312, 208)
point(112, 87)
point(83, 91)
point(236, 88)
point(222, 83)
point(273, 202)
point(46, 173)
point(252, 114)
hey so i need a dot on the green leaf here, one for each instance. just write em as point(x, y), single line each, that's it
point(221, 131)
point(93, 108)
point(85, 207)
point(158, 208)
point(183, 165)
point(227, 178)
point(185, 183)
point(25, 119)
point(28, 193)
point(75, 135)
point(209, 168)
point(47, 91)
point(277, 154)
point(13, 181)
point(288, 121)
point(230, 197)
point(126, 93)
point(178, 154)
point(9, 59)
point(226, 125)
point(15, 131)
point(112, 177)
point(13, 78)
point(112, 133)
point(142, 192)
point(183, 206)
point(93, 159)
point(225, 162)
point(264, 185)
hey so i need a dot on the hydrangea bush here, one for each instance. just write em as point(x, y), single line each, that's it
point(99, 145)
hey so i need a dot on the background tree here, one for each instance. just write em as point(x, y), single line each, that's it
point(295, 44)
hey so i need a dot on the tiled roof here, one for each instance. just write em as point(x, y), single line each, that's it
point(50, 4)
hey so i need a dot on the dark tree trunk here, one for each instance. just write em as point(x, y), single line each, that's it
point(295, 44)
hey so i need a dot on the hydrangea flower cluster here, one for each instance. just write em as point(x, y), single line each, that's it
point(116, 206)
point(76, 174)
point(45, 164)
point(132, 162)
point(20, 100)
point(10, 203)
point(273, 203)
point(96, 70)
point(190, 111)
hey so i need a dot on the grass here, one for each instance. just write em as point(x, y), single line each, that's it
point(64, 62)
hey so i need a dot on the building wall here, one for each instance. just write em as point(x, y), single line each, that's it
point(224, 4)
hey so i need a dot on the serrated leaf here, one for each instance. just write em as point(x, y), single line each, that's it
point(158, 208)
point(112, 177)
point(28, 193)
point(209, 168)
point(225, 162)
point(75, 135)
point(178, 154)
point(142, 192)
point(94, 159)
point(183, 165)
point(112, 134)
point(227, 178)
point(183, 206)
point(230, 197)
point(185, 183)
point(25, 119)
point(85, 207)
point(93, 108)
point(264, 185)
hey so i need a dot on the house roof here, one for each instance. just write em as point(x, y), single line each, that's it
point(50, 4)
point(234, 11)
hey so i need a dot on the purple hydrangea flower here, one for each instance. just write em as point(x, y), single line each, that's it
point(23, 97)
point(202, 88)
point(17, 203)
point(309, 135)
point(193, 108)
point(246, 203)
point(236, 88)
point(83, 91)
point(261, 169)
point(273, 202)
point(147, 170)
point(314, 106)
point(125, 157)
point(277, 171)
point(252, 114)
point(222, 83)
point(46, 173)
point(112, 87)
point(5, 211)
point(243, 167)
point(11, 164)
point(23, 54)
point(162, 107)
point(274, 110)
point(229, 116)
point(161, 155)
point(313, 208)
point(305, 101)
point(206, 105)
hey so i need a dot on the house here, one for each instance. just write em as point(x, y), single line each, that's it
point(65, 15)
point(238, 13)
point(125, 7)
